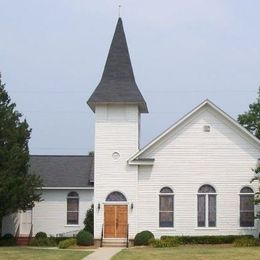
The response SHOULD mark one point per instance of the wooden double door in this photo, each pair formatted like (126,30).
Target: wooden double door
(115,221)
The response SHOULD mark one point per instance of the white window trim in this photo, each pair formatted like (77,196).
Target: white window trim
(207,210)
(72,197)
(251,193)
(72,225)
(173,211)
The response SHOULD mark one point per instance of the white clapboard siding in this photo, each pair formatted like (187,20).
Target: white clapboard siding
(10,224)
(50,215)
(116,130)
(187,158)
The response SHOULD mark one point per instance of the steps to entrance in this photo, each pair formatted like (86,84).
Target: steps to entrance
(23,240)
(114,242)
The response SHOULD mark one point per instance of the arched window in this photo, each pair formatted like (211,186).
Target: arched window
(166,206)
(207,210)
(73,208)
(116,196)
(247,214)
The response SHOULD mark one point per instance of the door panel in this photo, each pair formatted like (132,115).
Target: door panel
(26,222)
(121,225)
(109,221)
(115,221)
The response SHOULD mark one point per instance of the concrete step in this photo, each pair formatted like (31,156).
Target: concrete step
(23,240)
(114,243)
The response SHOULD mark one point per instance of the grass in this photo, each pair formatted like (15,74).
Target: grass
(198,252)
(27,253)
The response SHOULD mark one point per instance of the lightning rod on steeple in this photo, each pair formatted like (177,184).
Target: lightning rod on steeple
(119,9)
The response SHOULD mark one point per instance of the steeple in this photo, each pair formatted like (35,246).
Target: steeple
(117,85)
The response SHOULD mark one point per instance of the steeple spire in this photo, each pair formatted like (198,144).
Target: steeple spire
(118,84)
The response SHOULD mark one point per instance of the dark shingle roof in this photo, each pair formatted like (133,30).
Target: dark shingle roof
(118,84)
(63,171)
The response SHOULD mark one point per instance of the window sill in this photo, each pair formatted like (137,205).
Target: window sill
(247,228)
(206,228)
(166,228)
(76,225)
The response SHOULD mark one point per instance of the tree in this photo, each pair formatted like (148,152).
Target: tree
(89,220)
(257,194)
(251,119)
(18,188)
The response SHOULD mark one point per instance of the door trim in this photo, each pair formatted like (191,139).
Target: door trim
(115,204)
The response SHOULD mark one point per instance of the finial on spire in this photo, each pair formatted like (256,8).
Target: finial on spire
(119,9)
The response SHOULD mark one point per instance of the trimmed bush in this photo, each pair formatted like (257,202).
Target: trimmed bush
(164,243)
(84,238)
(7,236)
(7,240)
(47,241)
(142,238)
(245,242)
(41,235)
(205,239)
(59,239)
(67,243)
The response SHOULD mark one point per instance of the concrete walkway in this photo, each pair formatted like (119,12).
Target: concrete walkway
(103,253)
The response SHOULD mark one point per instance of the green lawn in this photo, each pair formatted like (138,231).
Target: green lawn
(26,253)
(201,252)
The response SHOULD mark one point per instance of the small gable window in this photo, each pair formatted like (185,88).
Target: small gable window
(247,213)
(73,208)
(166,207)
(116,196)
(207,213)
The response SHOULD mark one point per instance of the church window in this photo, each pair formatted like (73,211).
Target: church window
(247,207)
(73,208)
(166,207)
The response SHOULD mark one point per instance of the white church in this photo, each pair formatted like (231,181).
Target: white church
(193,179)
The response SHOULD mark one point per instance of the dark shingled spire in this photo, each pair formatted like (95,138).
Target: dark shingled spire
(117,84)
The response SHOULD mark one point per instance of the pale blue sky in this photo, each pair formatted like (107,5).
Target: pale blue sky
(52,54)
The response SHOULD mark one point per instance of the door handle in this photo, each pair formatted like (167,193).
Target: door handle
(116,223)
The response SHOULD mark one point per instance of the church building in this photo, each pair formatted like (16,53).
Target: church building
(193,179)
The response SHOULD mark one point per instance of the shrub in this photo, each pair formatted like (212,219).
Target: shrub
(7,236)
(164,243)
(47,241)
(8,240)
(41,235)
(59,239)
(67,243)
(89,220)
(245,242)
(143,238)
(84,238)
(205,239)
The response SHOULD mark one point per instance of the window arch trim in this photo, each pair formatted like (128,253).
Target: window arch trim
(73,194)
(166,190)
(72,208)
(116,196)
(207,188)
(246,190)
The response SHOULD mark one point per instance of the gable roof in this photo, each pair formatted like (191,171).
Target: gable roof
(63,170)
(118,84)
(134,159)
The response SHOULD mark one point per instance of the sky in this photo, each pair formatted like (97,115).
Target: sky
(52,55)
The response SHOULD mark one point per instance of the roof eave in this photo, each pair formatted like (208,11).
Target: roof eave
(256,141)
(141,105)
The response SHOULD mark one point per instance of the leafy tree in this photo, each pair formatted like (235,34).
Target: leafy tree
(257,194)
(89,220)
(17,186)
(251,119)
